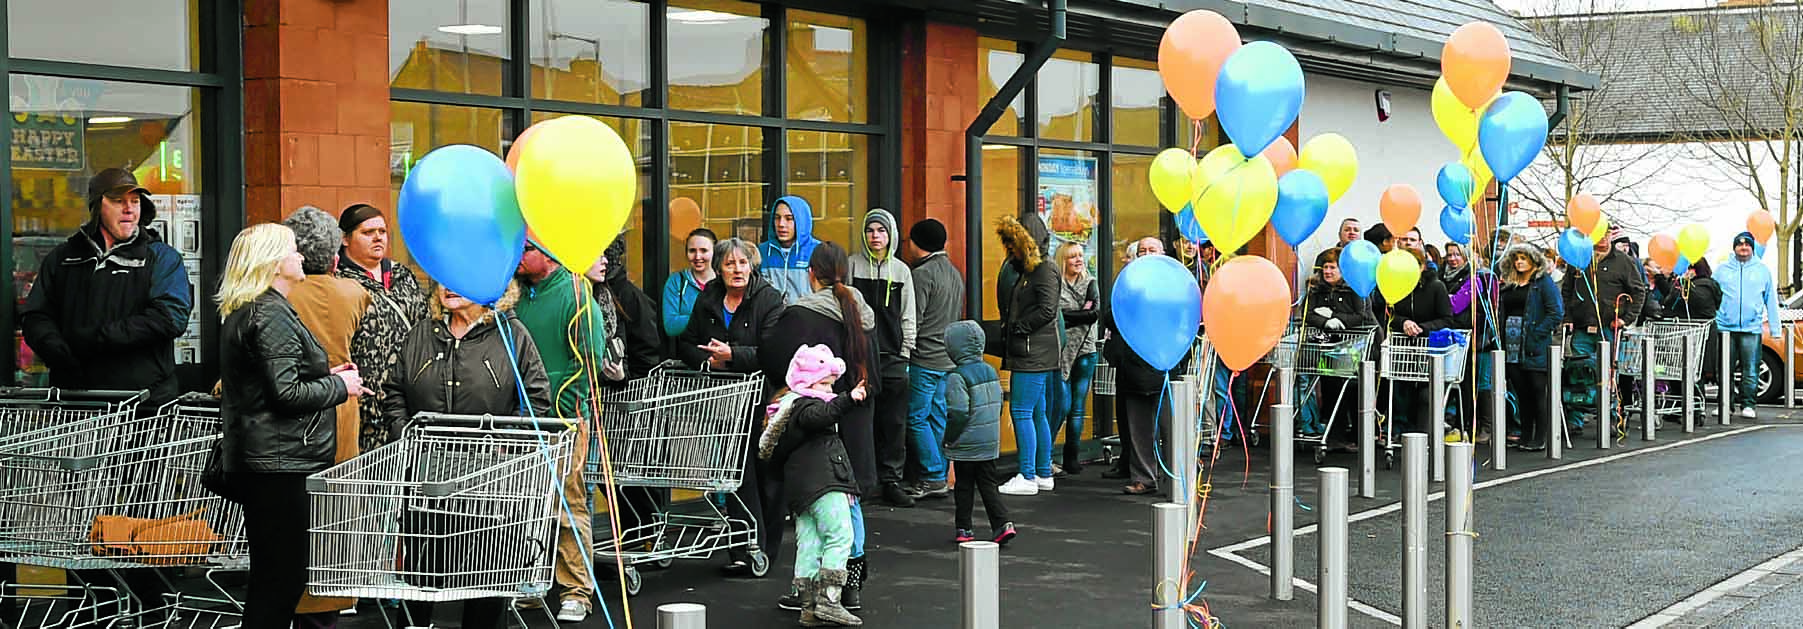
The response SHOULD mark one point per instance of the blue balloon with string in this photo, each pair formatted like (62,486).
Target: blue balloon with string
(1682,266)
(1455,182)
(1301,206)
(1511,134)
(1574,248)
(1189,226)
(1258,95)
(1358,266)
(1456,223)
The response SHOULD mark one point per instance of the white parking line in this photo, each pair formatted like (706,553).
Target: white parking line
(1727,586)
(1231,551)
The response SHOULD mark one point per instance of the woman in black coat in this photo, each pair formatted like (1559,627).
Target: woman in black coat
(1426,309)
(1332,306)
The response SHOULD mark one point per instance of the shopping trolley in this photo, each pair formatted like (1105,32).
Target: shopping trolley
(675,429)
(1311,353)
(1670,338)
(24,410)
(460,507)
(1411,359)
(1103,383)
(1201,364)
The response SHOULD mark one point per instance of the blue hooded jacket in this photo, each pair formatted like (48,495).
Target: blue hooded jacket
(1749,297)
(786,268)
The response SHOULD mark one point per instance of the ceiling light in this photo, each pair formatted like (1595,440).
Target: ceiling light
(109,120)
(703,17)
(470,29)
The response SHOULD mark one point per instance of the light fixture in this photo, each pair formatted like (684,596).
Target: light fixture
(691,16)
(470,29)
(109,120)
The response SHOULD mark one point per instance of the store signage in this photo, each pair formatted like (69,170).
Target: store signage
(47,142)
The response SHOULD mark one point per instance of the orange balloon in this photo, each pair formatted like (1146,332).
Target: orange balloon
(1400,207)
(1475,62)
(518,146)
(1282,155)
(1761,224)
(685,217)
(1663,249)
(1190,56)
(1583,211)
(1245,309)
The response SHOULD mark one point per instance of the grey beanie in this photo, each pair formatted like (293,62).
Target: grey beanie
(317,236)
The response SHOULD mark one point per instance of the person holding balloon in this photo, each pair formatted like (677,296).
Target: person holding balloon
(396,303)
(1034,344)
(1424,310)
(1697,296)
(1749,306)
(1332,305)
(1530,309)
(685,286)
(1138,384)
(1603,300)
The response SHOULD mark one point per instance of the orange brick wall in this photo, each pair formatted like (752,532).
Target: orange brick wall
(939,70)
(316,105)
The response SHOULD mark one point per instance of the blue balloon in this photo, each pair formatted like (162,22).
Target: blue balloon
(1158,309)
(1511,134)
(462,222)
(1758,250)
(1456,224)
(1258,95)
(1682,266)
(1574,248)
(1189,226)
(1455,183)
(1301,206)
(1358,265)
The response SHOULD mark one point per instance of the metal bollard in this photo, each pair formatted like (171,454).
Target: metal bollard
(1499,408)
(1724,376)
(1649,392)
(1436,414)
(1331,613)
(1605,386)
(1459,535)
(1555,383)
(1690,387)
(1414,531)
(980,578)
(1368,430)
(1169,541)
(682,616)
(1283,503)
(1183,443)
(1790,365)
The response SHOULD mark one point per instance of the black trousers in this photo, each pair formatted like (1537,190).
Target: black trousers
(891,417)
(1144,416)
(978,477)
(275,525)
(481,613)
(1532,416)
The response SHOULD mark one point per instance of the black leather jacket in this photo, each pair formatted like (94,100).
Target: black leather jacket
(279,394)
(440,373)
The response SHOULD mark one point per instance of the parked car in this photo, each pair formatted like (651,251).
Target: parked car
(1771,355)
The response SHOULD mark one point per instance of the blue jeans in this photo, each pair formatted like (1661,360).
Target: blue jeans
(857,526)
(1308,413)
(926,420)
(1031,396)
(1745,348)
(1073,398)
(1228,405)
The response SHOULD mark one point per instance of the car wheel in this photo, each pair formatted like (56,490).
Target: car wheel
(1770,391)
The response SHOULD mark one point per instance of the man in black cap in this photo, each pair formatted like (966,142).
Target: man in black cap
(108,303)
(939,301)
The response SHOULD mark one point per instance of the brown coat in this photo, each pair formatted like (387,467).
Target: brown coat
(331,307)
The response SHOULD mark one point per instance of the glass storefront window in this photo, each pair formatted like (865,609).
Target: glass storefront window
(716,56)
(637,134)
(1135,211)
(1068,87)
(591,51)
(825,67)
(996,61)
(156,34)
(720,169)
(448,46)
(831,171)
(65,130)
(1001,197)
(1136,92)
(417,128)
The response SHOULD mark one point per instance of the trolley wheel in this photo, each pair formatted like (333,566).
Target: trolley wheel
(760,564)
(1252,438)
(664,563)
(1320,455)
(1389,460)
(633,581)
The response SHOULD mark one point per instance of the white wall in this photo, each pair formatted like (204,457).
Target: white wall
(1407,148)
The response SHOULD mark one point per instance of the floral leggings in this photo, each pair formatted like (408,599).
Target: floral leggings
(823,535)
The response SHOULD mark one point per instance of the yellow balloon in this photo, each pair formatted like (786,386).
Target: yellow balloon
(577,184)
(1173,176)
(1397,275)
(1456,121)
(1693,241)
(1332,157)
(1480,176)
(1601,231)
(1234,196)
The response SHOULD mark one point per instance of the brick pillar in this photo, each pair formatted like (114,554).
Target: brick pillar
(316,105)
(942,60)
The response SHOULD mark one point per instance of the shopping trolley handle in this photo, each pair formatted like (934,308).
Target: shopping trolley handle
(54,394)
(486,421)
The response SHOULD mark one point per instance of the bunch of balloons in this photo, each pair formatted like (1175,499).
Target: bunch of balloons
(569,183)
(1497,133)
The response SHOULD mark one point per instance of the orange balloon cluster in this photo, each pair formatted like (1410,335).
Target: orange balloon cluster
(1190,56)
(1245,309)
(1400,207)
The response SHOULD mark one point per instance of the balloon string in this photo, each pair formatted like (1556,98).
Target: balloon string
(583,326)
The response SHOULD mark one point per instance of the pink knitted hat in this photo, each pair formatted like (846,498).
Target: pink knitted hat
(811,364)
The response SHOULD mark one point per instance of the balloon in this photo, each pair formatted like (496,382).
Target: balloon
(1245,310)
(1455,182)
(685,217)
(1173,175)
(1574,248)
(461,221)
(1511,134)
(1602,230)
(1682,266)
(1235,197)
(518,146)
(1187,225)
(1258,95)
(1358,265)
(577,185)
(1663,249)
(1760,224)
(1475,62)
(1190,56)
(1397,274)
(1157,307)
(1332,157)
(1400,207)
(1693,241)
(1480,176)
(1301,206)
(1583,211)
(1456,222)
(1457,121)
(1758,250)
(1282,155)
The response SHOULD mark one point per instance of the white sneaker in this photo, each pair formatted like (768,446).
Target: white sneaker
(572,611)
(1019,486)
(1045,484)
(1747,413)
(348,611)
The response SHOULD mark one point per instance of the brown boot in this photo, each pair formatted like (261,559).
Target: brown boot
(804,590)
(828,586)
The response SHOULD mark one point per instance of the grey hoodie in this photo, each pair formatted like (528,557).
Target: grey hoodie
(884,281)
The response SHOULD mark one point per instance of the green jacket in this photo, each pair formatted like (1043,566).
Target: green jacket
(556,313)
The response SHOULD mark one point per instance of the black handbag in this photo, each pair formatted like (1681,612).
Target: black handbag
(216,479)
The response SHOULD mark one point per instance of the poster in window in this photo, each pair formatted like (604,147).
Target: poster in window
(185,217)
(1067,202)
(47,141)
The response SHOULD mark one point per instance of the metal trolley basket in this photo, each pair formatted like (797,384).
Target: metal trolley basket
(460,507)
(1670,338)
(24,410)
(1411,359)
(1312,353)
(676,429)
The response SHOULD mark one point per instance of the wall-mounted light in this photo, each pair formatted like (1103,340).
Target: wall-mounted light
(470,29)
(688,16)
(109,120)
(1383,105)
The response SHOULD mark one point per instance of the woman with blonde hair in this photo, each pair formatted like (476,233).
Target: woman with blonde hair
(279,395)
(1080,301)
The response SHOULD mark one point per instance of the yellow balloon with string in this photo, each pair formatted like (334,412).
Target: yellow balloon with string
(577,184)
(1234,196)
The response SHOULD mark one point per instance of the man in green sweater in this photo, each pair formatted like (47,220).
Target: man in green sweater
(567,328)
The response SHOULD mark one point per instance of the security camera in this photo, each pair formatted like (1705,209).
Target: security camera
(1383,105)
